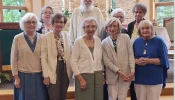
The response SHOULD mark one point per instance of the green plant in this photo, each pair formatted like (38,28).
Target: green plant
(4,78)
(110,10)
(66,13)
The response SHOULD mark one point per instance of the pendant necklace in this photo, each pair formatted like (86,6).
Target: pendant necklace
(144,51)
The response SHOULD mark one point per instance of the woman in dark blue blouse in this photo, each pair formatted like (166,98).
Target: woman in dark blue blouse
(151,60)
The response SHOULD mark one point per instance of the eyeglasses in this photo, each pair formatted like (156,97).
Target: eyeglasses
(31,22)
(88,27)
(45,13)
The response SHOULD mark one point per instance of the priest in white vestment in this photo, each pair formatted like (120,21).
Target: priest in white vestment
(86,9)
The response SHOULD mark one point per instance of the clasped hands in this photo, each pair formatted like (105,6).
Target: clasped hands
(142,61)
(125,77)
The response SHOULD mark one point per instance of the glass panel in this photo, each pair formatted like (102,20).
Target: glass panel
(164,12)
(13,2)
(166,0)
(113,4)
(10,15)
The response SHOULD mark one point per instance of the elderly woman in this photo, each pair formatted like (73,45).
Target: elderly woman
(118,58)
(46,14)
(55,59)
(117,13)
(151,60)
(139,11)
(86,63)
(25,61)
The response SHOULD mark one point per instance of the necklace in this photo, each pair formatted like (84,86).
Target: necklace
(146,45)
(115,44)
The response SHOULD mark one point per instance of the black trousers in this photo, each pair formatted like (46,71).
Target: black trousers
(105,93)
(132,91)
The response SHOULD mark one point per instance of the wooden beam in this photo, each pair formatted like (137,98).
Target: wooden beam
(164,4)
(1,12)
(29,5)
(151,10)
(42,3)
(13,7)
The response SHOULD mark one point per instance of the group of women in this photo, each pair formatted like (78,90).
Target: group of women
(43,64)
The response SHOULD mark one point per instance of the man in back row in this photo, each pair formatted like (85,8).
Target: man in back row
(86,9)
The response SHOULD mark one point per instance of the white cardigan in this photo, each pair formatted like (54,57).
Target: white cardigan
(49,55)
(82,60)
(123,59)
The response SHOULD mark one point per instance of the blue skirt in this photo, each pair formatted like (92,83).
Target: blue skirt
(32,87)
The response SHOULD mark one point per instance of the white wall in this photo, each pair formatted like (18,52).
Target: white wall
(147,4)
(37,7)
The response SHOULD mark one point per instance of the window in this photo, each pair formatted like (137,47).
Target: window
(12,10)
(164,9)
(113,4)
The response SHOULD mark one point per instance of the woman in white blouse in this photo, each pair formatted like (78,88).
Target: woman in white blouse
(86,63)
(119,60)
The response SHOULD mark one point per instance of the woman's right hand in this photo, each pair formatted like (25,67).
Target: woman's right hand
(17,82)
(46,81)
(83,84)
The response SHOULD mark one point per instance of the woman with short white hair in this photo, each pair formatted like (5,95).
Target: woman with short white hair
(25,61)
(86,63)
(118,59)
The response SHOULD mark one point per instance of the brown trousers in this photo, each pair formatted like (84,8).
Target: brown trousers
(58,91)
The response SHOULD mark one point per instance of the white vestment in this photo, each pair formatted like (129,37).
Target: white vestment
(76,22)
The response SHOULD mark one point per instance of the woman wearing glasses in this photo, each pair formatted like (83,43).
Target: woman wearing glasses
(119,60)
(86,63)
(25,61)
(46,14)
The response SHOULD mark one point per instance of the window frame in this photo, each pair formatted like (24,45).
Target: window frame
(28,7)
(156,4)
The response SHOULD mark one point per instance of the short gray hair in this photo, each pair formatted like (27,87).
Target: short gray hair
(27,17)
(111,20)
(43,10)
(117,10)
(139,5)
(143,22)
(88,19)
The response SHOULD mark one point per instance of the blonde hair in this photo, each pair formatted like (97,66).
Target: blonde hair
(111,20)
(143,22)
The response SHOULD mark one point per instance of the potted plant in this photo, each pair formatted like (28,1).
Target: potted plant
(4,78)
